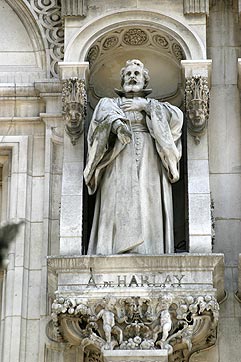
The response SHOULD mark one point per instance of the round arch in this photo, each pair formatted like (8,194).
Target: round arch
(79,45)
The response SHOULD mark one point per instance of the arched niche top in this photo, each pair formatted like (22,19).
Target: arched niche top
(79,45)
(160,53)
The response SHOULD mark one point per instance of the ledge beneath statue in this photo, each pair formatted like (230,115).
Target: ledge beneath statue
(128,274)
(128,306)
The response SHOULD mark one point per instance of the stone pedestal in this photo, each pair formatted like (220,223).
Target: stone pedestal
(134,305)
(136,356)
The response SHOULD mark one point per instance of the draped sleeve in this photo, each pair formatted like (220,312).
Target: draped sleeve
(165,124)
(100,150)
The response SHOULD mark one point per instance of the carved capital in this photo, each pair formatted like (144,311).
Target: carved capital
(74,107)
(191,7)
(73,8)
(197,105)
(178,324)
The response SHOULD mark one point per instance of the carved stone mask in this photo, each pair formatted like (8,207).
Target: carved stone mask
(196,112)
(73,115)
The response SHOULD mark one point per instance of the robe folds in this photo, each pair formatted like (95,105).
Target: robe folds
(133,210)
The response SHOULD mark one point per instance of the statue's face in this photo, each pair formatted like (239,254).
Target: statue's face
(133,79)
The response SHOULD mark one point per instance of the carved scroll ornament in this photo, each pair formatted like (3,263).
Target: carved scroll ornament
(197,106)
(179,324)
(48,14)
(74,107)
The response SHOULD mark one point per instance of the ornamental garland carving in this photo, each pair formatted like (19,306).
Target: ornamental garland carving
(48,13)
(133,37)
(74,107)
(179,324)
(197,106)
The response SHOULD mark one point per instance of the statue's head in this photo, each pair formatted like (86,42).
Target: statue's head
(134,76)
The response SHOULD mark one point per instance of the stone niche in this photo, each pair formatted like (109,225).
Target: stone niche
(136,308)
(159,51)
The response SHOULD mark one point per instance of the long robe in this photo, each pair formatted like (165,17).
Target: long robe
(133,210)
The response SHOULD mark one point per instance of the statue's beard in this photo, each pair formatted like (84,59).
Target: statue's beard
(133,86)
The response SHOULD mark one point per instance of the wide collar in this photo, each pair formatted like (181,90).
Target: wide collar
(143,93)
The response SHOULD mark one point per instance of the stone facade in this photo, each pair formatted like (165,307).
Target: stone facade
(57,59)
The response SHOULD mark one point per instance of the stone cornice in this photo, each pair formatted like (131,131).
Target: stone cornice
(213,264)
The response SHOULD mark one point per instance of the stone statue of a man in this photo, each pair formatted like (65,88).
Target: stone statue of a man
(134,147)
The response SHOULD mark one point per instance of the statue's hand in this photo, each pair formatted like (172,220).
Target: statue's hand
(124,135)
(136,104)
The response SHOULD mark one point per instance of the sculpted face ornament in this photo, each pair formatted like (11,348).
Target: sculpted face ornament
(197,113)
(74,107)
(197,106)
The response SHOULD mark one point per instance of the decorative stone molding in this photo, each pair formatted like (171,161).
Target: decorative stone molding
(197,105)
(74,107)
(171,322)
(195,7)
(135,37)
(73,8)
(48,13)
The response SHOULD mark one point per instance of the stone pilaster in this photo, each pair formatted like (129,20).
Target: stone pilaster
(199,200)
(73,162)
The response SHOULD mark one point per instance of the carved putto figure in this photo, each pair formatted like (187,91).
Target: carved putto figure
(134,147)
(108,317)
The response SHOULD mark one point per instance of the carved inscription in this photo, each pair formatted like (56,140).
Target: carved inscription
(136,280)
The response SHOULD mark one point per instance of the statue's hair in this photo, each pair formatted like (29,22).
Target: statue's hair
(142,68)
